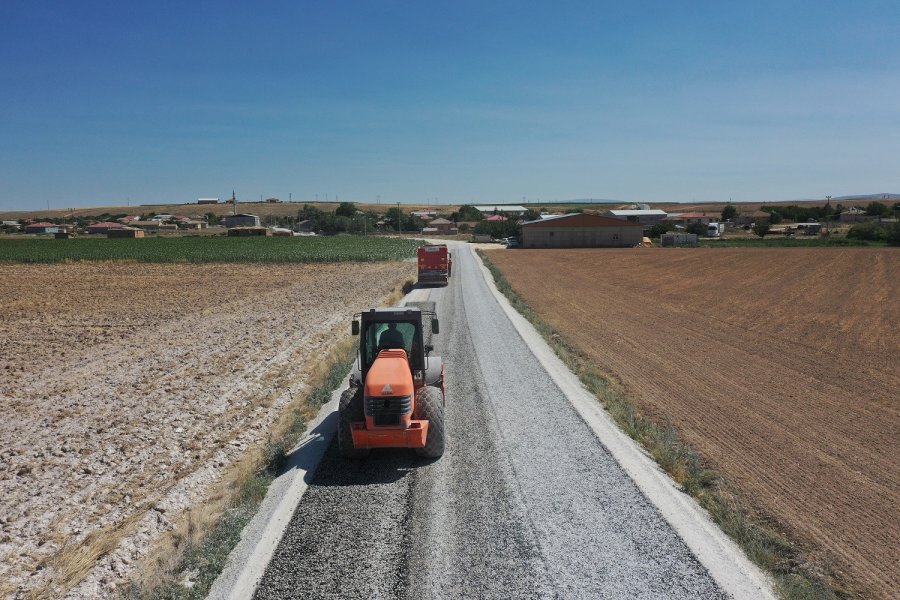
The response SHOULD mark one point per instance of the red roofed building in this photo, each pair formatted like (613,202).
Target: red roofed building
(581,231)
(495,218)
(41,228)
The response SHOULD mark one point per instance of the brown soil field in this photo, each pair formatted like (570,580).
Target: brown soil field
(126,390)
(781,367)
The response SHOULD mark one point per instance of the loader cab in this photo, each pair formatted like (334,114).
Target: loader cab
(393,328)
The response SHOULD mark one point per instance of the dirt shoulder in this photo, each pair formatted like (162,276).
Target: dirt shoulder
(779,366)
(127,389)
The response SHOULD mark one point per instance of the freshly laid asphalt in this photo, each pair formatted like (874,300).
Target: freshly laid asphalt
(525,503)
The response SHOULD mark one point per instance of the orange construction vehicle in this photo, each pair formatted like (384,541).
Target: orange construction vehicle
(396,393)
(435,264)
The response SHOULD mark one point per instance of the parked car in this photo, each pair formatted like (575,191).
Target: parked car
(512,243)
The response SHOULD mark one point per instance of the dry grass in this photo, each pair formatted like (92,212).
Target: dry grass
(75,560)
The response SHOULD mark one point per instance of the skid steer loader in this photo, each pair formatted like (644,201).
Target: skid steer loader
(396,393)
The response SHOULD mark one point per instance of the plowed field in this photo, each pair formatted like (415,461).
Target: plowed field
(127,389)
(780,366)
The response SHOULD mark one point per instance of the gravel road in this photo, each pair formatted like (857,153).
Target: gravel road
(526,503)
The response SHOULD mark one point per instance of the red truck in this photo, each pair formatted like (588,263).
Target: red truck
(435,264)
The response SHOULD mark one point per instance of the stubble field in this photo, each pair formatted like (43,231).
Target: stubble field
(127,389)
(780,366)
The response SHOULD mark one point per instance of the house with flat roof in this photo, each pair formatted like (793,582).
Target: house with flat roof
(514,210)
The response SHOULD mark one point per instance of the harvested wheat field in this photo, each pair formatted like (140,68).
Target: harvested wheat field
(127,389)
(780,366)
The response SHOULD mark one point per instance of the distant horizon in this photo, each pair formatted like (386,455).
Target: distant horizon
(466,102)
(877,196)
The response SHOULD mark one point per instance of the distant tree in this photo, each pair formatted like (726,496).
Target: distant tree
(658,229)
(761,227)
(775,217)
(896,208)
(464,227)
(467,213)
(499,229)
(696,228)
(345,209)
(870,231)
(893,233)
(394,217)
(729,212)
(531,215)
(212,218)
(877,209)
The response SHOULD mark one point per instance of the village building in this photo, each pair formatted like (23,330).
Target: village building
(240,220)
(513,210)
(103,227)
(440,226)
(42,228)
(581,231)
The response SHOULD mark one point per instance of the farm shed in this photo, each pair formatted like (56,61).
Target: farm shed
(240,220)
(103,227)
(192,224)
(41,228)
(678,239)
(248,231)
(581,231)
(644,217)
(303,226)
(154,225)
(207,200)
(125,232)
(855,214)
(515,210)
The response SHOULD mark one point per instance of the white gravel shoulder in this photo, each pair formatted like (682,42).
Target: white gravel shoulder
(261,535)
(725,561)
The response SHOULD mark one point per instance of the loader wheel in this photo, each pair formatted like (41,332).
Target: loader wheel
(350,409)
(430,406)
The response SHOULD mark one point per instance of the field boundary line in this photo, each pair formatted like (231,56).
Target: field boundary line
(725,561)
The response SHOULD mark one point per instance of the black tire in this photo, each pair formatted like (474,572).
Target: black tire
(350,409)
(430,406)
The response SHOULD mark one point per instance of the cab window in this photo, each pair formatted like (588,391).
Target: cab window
(378,337)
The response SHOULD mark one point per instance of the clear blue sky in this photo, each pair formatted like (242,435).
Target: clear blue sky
(455,101)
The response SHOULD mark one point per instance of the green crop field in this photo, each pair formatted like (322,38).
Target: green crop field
(209,249)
